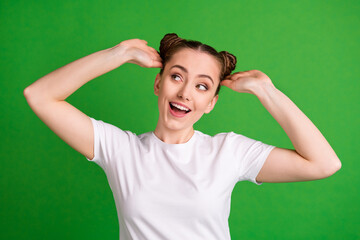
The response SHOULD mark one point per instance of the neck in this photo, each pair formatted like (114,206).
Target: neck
(172,136)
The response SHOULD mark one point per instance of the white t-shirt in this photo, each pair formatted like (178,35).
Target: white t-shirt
(175,191)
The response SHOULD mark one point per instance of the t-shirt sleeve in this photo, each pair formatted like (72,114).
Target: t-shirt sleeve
(250,156)
(109,141)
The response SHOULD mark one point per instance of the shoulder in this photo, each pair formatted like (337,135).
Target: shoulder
(229,140)
(110,131)
(145,137)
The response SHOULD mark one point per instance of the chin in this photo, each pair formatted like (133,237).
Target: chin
(173,124)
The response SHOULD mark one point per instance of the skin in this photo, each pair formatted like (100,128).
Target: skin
(197,93)
(313,158)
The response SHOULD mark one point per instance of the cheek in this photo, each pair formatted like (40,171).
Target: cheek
(203,104)
(169,89)
(167,94)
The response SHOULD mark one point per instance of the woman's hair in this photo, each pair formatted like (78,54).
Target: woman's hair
(171,43)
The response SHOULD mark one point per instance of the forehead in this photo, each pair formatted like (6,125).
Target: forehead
(196,62)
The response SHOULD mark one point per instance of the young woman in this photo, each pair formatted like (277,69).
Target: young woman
(176,182)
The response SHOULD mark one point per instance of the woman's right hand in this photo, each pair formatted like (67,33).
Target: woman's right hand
(138,52)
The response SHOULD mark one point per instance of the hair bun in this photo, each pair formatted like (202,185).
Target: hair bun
(229,62)
(168,41)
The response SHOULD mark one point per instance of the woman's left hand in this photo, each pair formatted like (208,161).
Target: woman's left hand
(246,81)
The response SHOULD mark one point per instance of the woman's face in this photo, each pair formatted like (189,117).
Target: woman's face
(186,88)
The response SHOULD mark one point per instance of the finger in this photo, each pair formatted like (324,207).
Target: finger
(240,74)
(226,83)
(155,57)
(155,52)
(152,49)
(158,55)
(156,64)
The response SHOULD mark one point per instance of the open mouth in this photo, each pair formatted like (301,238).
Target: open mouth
(178,109)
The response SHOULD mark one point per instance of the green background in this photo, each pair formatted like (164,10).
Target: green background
(309,49)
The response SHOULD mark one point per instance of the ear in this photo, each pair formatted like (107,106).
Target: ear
(157,84)
(212,104)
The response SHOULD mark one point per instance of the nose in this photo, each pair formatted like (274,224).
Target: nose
(185,92)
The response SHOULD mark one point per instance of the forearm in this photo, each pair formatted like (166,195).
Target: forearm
(61,83)
(305,137)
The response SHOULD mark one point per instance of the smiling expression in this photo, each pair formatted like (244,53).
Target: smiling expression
(186,88)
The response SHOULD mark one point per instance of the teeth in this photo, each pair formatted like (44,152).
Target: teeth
(179,107)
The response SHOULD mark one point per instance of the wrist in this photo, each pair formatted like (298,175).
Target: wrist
(263,89)
(119,53)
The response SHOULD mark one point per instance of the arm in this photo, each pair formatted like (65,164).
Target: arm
(313,157)
(47,95)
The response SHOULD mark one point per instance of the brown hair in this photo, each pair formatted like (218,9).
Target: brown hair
(171,43)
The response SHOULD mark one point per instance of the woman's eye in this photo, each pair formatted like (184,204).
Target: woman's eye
(202,87)
(174,76)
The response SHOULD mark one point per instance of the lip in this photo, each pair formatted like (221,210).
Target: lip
(176,114)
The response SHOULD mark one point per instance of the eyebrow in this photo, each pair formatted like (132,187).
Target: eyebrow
(200,75)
